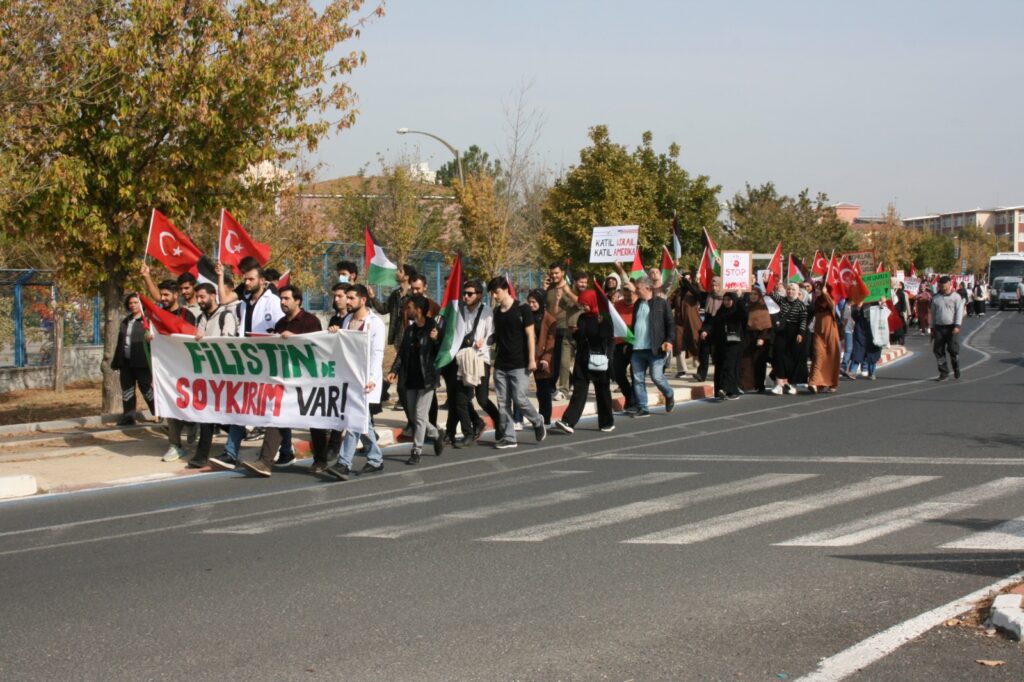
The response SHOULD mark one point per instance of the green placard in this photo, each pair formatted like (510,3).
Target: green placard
(879,286)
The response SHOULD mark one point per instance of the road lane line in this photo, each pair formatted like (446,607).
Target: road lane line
(888,522)
(878,646)
(775,511)
(853,459)
(523,504)
(1006,537)
(637,510)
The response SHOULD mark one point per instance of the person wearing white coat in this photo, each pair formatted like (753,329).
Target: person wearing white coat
(362,318)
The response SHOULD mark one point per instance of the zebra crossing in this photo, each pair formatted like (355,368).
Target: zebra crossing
(679,501)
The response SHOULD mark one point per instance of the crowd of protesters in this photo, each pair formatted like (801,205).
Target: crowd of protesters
(794,337)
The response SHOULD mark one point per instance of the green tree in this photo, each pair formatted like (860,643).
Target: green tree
(894,245)
(761,218)
(613,186)
(977,246)
(130,104)
(935,251)
(475,161)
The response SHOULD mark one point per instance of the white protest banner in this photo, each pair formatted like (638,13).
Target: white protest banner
(737,267)
(618,243)
(900,276)
(308,380)
(912,284)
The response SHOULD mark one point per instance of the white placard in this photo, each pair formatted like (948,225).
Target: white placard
(736,269)
(307,380)
(617,243)
(900,276)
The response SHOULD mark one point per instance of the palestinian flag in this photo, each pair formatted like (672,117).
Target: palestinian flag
(794,274)
(705,271)
(667,268)
(775,268)
(619,326)
(713,253)
(379,270)
(637,271)
(677,242)
(450,314)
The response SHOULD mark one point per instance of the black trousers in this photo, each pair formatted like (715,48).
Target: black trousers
(582,378)
(703,359)
(623,371)
(545,387)
(464,404)
(727,367)
(176,426)
(945,341)
(130,377)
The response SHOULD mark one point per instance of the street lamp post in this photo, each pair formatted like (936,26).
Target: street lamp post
(453,150)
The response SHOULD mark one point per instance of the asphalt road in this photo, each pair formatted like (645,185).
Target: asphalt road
(751,539)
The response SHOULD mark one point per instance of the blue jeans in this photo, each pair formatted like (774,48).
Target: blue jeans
(374,455)
(235,435)
(847,350)
(510,387)
(640,361)
(286,442)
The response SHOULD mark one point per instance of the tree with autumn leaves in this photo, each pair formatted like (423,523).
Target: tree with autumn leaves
(112,107)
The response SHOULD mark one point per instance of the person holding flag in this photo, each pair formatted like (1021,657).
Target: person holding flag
(593,354)
(236,244)
(826,356)
(131,359)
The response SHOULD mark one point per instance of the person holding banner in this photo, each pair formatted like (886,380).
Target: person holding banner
(295,321)
(361,318)
(132,361)
(416,358)
(214,320)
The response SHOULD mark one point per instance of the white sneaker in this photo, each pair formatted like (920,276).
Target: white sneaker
(173,454)
(607,429)
(563,427)
(518,426)
(777,390)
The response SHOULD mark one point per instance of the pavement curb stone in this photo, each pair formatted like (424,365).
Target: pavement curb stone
(1007,614)
(17,486)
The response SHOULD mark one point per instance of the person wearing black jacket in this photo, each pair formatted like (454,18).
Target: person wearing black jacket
(724,332)
(416,358)
(789,355)
(131,358)
(593,338)
(653,331)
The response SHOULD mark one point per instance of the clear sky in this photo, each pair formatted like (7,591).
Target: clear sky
(913,101)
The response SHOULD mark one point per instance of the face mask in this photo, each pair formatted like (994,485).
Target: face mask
(343,279)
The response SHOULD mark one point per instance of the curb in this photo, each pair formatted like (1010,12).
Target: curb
(17,486)
(98,420)
(1007,614)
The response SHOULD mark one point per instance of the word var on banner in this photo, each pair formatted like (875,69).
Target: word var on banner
(610,244)
(304,381)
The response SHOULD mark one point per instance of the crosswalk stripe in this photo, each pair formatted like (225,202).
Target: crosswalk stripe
(288,520)
(885,523)
(854,459)
(748,518)
(1007,536)
(546,499)
(636,510)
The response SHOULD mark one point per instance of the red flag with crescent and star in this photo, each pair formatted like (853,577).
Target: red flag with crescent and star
(819,265)
(236,244)
(170,246)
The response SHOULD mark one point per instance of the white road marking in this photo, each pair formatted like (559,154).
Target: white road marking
(775,511)
(523,504)
(853,459)
(876,647)
(637,510)
(1006,537)
(885,523)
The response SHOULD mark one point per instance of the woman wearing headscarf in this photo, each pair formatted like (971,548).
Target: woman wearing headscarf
(724,332)
(901,307)
(686,309)
(544,325)
(757,340)
(593,337)
(712,302)
(865,353)
(131,359)
(825,366)
(924,309)
(788,350)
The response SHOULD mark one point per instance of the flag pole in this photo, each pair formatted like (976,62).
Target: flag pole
(149,237)
(220,236)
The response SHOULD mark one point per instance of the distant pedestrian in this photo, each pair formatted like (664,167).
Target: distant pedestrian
(924,309)
(544,326)
(131,359)
(824,377)
(653,332)
(757,340)
(789,353)
(947,317)
(592,366)
(686,309)
(725,332)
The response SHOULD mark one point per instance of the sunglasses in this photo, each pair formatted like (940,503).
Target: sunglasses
(469,293)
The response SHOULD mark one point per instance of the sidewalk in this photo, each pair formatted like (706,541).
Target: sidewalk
(71,455)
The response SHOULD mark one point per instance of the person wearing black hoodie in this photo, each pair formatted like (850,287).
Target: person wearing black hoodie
(724,333)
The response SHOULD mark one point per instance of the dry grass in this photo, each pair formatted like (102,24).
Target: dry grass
(82,399)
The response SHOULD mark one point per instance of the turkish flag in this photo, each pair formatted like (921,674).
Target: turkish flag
(819,266)
(834,280)
(236,244)
(170,246)
(165,322)
(855,288)
(775,268)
